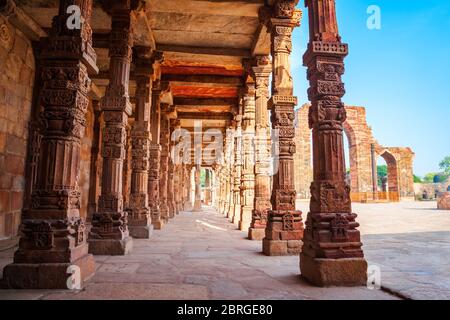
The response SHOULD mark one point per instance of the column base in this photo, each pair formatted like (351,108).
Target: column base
(244,225)
(281,247)
(140,232)
(45,275)
(110,247)
(158,225)
(350,272)
(197,206)
(256,234)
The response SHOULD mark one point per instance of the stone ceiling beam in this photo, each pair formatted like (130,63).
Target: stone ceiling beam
(205,51)
(21,20)
(194,102)
(205,116)
(203,80)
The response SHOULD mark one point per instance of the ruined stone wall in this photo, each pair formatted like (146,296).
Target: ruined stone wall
(303,173)
(404,164)
(360,137)
(17,68)
(430,188)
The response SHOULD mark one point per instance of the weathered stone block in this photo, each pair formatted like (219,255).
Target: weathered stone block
(45,275)
(282,247)
(444,201)
(334,272)
(256,234)
(110,247)
(140,232)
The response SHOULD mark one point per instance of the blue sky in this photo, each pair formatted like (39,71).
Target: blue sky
(400,73)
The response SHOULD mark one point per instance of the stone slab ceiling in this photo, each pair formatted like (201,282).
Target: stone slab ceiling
(204,42)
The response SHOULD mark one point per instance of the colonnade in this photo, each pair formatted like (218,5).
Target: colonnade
(255,194)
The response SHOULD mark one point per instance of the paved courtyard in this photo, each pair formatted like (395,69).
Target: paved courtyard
(202,256)
(410,242)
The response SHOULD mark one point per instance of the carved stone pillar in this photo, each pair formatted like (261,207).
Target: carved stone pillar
(284,229)
(188,189)
(221,201)
(53,236)
(207,187)
(248,158)
(332,253)
(230,172)
(171,174)
(139,211)
(155,156)
(237,172)
(94,173)
(261,204)
(185,187)
(178,188)
(198,190)
(126,177)
(109,234)
(164,162)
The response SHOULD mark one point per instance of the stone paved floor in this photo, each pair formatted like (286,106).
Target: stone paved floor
(410,242)
(197,256)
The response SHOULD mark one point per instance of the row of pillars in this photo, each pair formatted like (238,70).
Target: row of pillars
(329,245)
(54,236)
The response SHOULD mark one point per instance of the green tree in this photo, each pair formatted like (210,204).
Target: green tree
(429,177)
(382,172)
(445,166)
(417,179)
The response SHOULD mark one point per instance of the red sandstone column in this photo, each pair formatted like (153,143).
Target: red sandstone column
(248,158)
(284,229)
(109,234)
(164,163)
(178,188)
(94,167)
(126,177)
(155,155)
(174,123)
(53,234)
(261,204)
(207,187)
(188,188)
(230,172)
(140,218)
(237,172)
(198,189)
(332,252)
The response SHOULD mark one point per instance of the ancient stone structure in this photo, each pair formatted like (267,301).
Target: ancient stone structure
(53,233)
(94,134)
(237,164)
(139,211)
(261,202)
(284,229)
(248,158)
(109,234)
(332,253)
(361,139)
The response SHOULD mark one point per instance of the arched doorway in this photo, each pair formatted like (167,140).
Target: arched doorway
(351,159)
(390,186)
